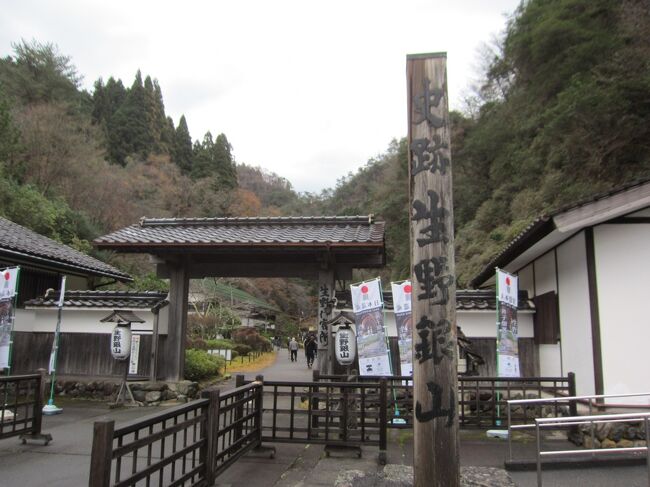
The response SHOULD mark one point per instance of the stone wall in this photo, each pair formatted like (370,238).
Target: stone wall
(610,435)
(145,393)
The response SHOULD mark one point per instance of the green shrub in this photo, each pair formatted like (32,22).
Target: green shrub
(251,337)
(196,343)
(241,349)
(200,365)
(219,344)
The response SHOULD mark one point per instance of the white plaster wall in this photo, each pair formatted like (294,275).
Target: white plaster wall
(75,320)
(550,361)
(575,317)
(623,267)
(482,324)
(525,276)
(389,324)
(545,274)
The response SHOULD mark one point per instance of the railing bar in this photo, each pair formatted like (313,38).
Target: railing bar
(274,415)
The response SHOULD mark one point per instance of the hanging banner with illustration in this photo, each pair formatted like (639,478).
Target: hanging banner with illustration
(8,282)
(368,307)
(6,320)
(507,333)
(403,321)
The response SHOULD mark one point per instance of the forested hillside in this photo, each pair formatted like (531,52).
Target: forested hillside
(563,112)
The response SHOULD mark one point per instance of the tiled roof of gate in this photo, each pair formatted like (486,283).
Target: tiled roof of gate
(170,232)
(100,299)
(21,243)
(466,300)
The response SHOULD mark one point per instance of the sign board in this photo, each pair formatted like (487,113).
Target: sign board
(135,354)
(507,329)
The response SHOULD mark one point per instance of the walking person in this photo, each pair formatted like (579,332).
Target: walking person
(293,349)
(310,350)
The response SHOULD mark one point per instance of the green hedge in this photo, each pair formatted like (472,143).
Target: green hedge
(200,365)
(241,349)
(219,344)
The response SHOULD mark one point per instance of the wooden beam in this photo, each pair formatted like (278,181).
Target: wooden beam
(594,311)
(436,445)
(254,269)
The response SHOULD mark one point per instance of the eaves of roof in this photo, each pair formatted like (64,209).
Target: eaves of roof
(25,247)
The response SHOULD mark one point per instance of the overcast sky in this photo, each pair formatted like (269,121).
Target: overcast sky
(308,89)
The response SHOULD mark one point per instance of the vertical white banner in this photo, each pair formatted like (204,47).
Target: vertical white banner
(507,329)
(8,282)
(135,354)
(403,321)
(6,319)
(368,307)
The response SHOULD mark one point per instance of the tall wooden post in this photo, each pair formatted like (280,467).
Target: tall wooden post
(325,308)
(436,455)
(179,283)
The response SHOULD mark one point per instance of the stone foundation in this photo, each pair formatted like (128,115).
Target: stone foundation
(610,435)
(145,393)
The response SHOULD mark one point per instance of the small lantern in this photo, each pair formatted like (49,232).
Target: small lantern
(345,345)
(121,336)
(121,341)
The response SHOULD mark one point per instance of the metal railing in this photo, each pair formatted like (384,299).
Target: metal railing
(571,402)
(21,406)
(592,420)
(188,445)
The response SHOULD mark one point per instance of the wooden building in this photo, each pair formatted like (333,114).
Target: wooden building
(43,262)
(585,267)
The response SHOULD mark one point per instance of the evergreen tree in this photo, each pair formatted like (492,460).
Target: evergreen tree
(38,73)
(182,152)
(129,128)
(224,165)
(202,163)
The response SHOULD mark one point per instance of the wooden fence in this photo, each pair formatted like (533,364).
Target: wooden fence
(335,414)
(482,401)
(21,412)
(80,354)
(188,445)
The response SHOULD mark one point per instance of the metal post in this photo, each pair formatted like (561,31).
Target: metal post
(383,421)
(539,456)
(647,446)
(509,434)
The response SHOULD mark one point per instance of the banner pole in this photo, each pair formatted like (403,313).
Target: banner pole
(50,408)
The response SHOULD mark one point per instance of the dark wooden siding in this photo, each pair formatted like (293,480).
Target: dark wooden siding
(528,356)
(80,354)
(547,319)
